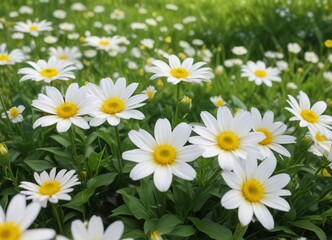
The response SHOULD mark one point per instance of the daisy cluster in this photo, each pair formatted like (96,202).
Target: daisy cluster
(142,122)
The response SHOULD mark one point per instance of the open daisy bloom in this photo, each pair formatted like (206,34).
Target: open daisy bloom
(176,71)
(163,155)
(95,230)
(253,189)
(14,114)
(322,145)
(115,101)
(226,137)
(259,73)
(50,187)
(64,112)
(49,71)
(19,216)
(11,58)
(34,28)
(273,134)
(310,116)
(71,54)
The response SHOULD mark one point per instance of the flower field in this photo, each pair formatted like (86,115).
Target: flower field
(165,119)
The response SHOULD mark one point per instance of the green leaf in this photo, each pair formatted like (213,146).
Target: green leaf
(80,199)
(106,137)
(308,225)
(212,229)
(134,205)
(121,210)
(167,223)
(183,231)
(150,226)
(102,180)
(39,165)
(284,229)
(61,140)
(57,151)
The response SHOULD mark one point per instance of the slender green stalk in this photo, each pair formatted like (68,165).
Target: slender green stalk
(239,232)
(175,119)
(74,151)
(310,182)
(57,216)
(119,151)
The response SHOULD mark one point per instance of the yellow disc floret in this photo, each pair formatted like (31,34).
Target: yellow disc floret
(164,154)
(268,136)
(253,190)
(10,231)
(228,141)
(179,72)
(67,110)
(4,58)
(50,187)
(309,115)
(33,28)
(113,105)
(13,112)
(49,72)
(260,73)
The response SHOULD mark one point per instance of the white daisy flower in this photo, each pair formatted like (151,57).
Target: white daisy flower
(11,58)
(177,71)
(71,54)
(259,73)
(150,91)
(105,43)
(34,28)
(19,216)
(115,101)
(294,48)
(310,116)
(273,132)
(322,145)
(117,14)
(64,112)
(48,71)
(50,187)
(95,230)
(14,114)
(163,155)
(311,57)
(218,101)
(239,50)
(253,189)
(226,137)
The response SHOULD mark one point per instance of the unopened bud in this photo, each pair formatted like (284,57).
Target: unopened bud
(3,149)
(155,236)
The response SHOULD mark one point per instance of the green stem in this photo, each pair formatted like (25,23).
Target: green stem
(56,213)
(310,182)
(119,151)
(239,232)
(74,151)
(12,176)
(5,110)
(175,119)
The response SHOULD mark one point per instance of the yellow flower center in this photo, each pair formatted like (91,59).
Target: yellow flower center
(63,57)
(228,141)
(253,190)
(9,231)
(4,57)
(150,94)
(113,105)
(33,28)
(309,115)
(328,43)
(13,112)
(67,110)
(260,73)
(164,154)
(49,187)
(49,72)
(268,136)
(104,42)
(320,138)
(219,102)
(179,72)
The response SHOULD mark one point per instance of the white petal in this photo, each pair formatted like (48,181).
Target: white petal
(180,134)
(232,199)
(276,202)
(162,178)
(78,230)
(263,215)
(142,170)
(162,131)
(114,231)
(245,213)
(137,155)
(38,234)
(95,227)
(183,170)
